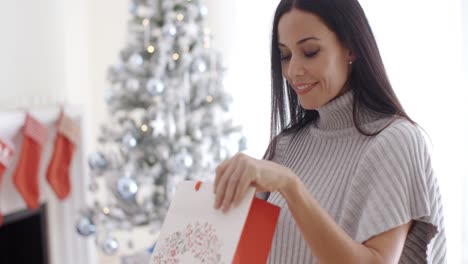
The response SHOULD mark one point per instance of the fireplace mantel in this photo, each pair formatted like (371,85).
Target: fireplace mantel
(65,246)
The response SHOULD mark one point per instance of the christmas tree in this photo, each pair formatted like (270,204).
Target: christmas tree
(168,119)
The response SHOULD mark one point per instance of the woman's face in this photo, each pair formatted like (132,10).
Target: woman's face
(313,61)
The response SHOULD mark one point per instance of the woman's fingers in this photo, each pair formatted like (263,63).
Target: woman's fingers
(232,186)
(241,190)
(219,172)
(222,183)
(233,178)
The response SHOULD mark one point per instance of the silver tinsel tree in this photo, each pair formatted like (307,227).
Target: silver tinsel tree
(168,119)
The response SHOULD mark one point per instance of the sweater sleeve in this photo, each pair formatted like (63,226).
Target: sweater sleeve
(394,183)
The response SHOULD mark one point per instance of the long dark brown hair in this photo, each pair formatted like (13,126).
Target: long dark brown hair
(368,80)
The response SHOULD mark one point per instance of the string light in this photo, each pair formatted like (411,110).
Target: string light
(144,128)
(106,210)
(180,17)
(150,49)
(145,22)
(175,56)
(209,98)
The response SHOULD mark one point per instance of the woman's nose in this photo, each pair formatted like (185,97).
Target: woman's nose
(296,67)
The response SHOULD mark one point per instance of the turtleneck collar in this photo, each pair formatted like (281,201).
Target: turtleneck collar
(336,114)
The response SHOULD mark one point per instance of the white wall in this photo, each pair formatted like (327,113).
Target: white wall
(107,30)
(465,74)
(241,31)
(32,47)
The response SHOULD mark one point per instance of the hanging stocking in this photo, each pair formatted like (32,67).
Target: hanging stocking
(6,154)
(58,172)
(26,176)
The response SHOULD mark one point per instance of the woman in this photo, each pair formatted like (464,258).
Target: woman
(349,168)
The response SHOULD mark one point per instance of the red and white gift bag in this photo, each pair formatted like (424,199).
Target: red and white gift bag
(195,233)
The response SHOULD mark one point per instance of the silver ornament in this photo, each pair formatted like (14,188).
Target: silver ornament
(98,162)
(155,87)
(203,10)
(110,246)
(85,225)
(127,188)
(199,66)
(169,30)
(136,60)
(129,140)
(184,159)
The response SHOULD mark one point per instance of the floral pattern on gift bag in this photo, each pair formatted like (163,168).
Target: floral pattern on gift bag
(199,240)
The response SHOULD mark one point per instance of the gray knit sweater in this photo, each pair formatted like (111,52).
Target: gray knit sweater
(368,185)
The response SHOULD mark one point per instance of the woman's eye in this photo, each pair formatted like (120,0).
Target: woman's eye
(311,54)
(284,57)
(307,54)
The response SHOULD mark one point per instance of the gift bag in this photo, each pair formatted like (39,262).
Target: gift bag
(194,232)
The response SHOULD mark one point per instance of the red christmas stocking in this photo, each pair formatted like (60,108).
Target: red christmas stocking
(58,172)
(26,176)
(6,154)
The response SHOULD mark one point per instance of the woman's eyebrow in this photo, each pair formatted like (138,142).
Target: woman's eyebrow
(301,40)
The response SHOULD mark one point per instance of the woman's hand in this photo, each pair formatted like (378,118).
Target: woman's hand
(234,176)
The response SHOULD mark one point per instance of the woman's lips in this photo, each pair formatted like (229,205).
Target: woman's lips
(303,88)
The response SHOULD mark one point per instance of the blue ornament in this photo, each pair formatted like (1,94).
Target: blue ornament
(127,188)
(98,162)
(85,226)
(110,246)
(129,140)
(155,87)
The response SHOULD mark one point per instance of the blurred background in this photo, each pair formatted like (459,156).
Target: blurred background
(56,53)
